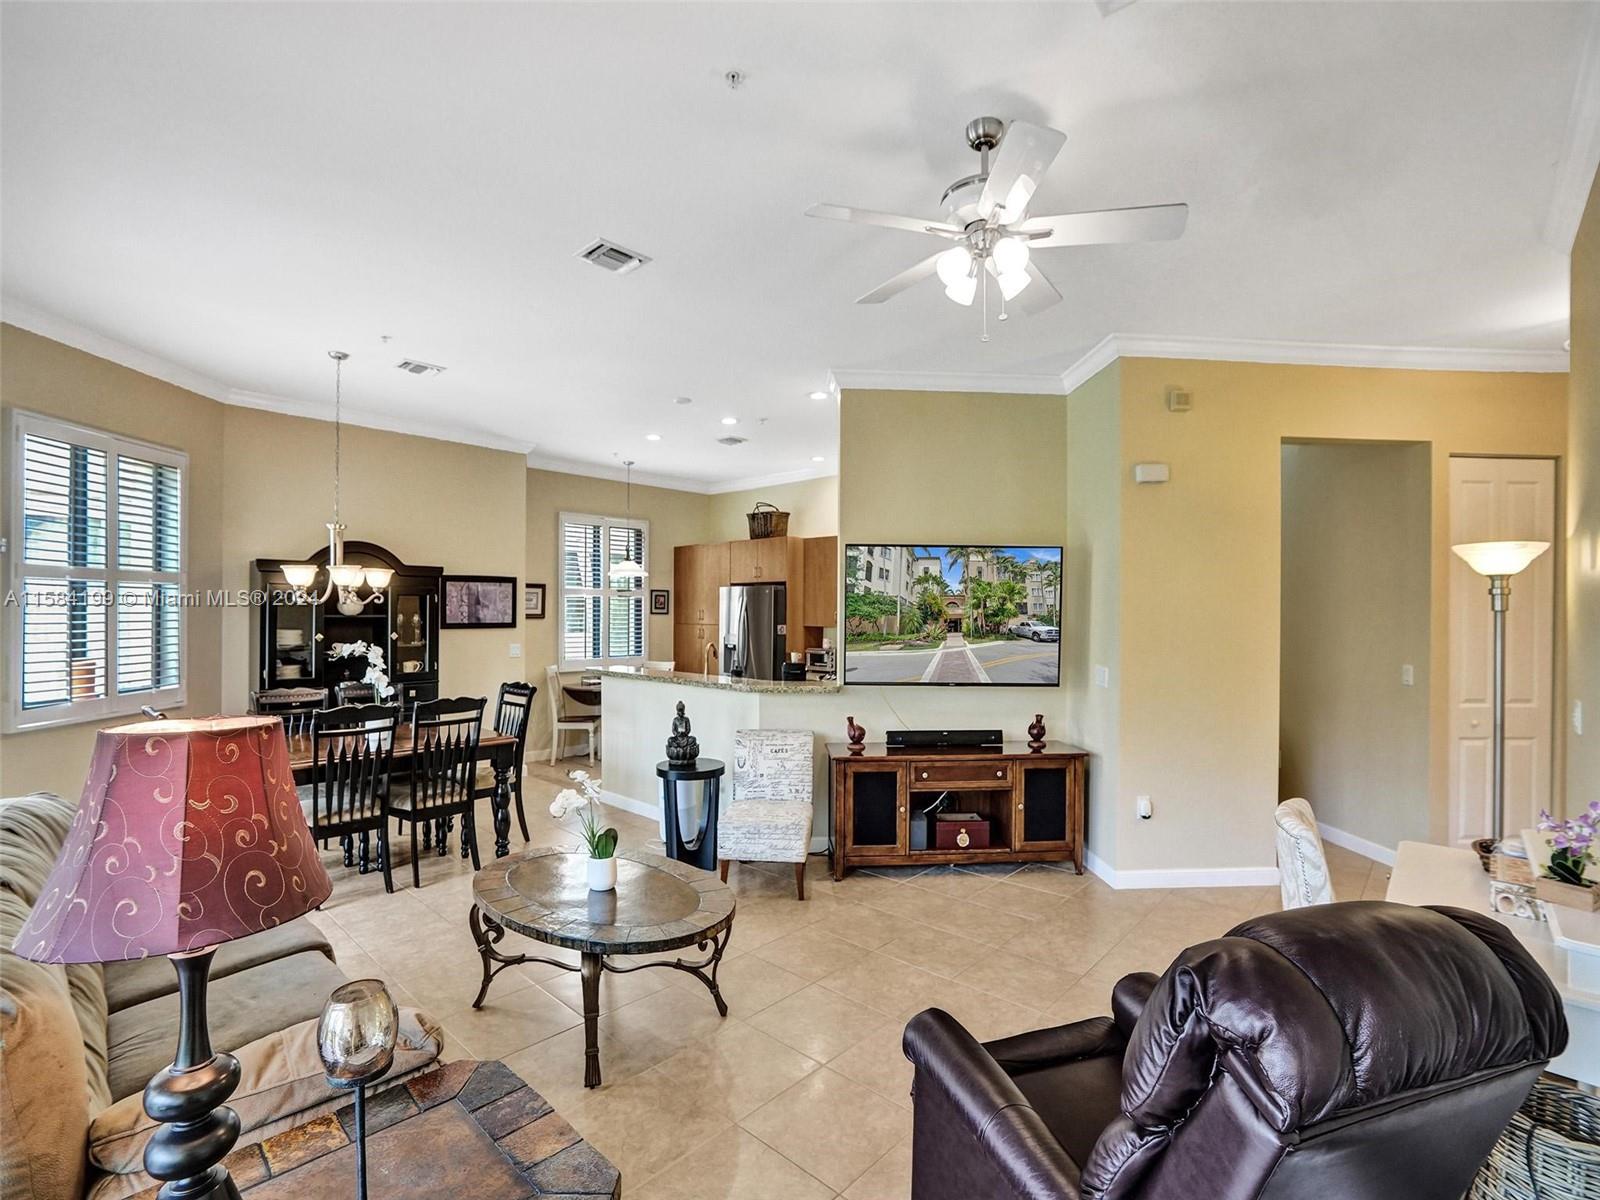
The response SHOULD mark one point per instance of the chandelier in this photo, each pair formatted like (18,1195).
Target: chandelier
(347,578)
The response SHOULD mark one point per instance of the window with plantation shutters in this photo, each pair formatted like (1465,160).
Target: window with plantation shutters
(94,616)
(603,619)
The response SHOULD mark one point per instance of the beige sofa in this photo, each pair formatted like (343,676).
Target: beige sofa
(78,1043)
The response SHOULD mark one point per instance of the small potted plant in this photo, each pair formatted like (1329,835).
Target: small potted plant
(1572,849)
(602,843)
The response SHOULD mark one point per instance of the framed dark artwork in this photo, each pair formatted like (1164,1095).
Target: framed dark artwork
(533,601)
(660,602)
(478,602)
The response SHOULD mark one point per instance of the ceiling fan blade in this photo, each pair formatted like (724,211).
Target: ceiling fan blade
(1151,223)
(893,287)
(1037,296)
(866,216)
(1025,154)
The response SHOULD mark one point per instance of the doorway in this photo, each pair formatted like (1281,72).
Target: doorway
(1495,499)
(1355,629)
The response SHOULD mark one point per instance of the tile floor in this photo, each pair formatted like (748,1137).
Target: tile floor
(801,1092)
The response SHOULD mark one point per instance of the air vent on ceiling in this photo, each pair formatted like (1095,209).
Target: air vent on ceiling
(731,440)
(412,367)
(612,257)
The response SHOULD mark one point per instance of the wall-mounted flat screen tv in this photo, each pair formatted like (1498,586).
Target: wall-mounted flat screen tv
(953,615)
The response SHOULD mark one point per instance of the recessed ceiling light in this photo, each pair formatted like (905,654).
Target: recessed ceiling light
(684,400)
(819,395)
(730,420)
(652,437)
(816,458)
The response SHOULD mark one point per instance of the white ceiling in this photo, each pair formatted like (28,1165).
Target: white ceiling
(238,188)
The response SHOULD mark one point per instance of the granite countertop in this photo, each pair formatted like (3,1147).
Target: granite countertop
(726,683)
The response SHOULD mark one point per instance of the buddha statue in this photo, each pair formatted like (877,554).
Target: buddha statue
(682,747)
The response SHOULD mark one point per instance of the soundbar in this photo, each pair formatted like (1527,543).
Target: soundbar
(902,739)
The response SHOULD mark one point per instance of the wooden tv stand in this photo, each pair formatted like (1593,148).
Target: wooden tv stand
(1032,799)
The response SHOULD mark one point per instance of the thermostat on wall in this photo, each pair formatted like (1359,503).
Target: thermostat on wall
(1151,472)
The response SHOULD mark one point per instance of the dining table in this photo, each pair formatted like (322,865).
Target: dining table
(498,750)
(586,691)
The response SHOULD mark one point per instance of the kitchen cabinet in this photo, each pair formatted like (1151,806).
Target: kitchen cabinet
(822,581)
(689,645)
(698,572)
(759,560)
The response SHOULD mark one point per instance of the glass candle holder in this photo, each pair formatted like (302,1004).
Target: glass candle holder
(356,1038)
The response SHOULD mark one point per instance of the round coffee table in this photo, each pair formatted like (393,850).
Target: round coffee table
(658,905)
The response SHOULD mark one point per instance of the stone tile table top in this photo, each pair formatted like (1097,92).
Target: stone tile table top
(467,1130)
(658,903)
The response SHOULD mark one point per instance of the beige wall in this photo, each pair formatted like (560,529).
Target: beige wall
(1092,584)
(1201,574)
(676,518)
(812,505)
(1583,512)
(959,469)
(1355,612)
(433,503)
(45,377)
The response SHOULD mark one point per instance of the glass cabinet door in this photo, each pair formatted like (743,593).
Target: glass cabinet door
(413,623)
(877,810)
(291,652)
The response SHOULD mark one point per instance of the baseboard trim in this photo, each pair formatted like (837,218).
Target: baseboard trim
(1181,877)
(1360,845)
(628,804)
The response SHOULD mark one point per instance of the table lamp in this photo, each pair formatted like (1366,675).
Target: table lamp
(188,834)
(1498,562)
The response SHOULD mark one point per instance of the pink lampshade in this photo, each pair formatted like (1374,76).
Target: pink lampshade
(188,834)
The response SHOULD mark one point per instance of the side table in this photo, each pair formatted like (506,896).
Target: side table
(701,849)
(463,1129)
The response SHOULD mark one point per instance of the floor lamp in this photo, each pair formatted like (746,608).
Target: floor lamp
(1498,562)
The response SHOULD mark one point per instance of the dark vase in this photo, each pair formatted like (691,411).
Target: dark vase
(1036,732)
(856,734)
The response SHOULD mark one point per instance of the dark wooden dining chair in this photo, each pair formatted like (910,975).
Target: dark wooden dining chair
(353,691)
(444,764)
(352,750)
(294,705)
(512,712)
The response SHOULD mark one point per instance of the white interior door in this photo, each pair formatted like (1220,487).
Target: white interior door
(1501,499)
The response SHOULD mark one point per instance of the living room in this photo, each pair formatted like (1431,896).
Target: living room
(803,749)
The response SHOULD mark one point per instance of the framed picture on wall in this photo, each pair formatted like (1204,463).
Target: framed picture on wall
(660,602)
(479,602)
(533,601)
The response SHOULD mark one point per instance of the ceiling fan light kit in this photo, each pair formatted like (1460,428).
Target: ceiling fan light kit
(986,217)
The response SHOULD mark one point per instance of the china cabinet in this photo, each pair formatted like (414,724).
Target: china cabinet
(293,642)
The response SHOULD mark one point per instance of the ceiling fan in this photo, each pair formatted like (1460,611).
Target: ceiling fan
(986,219)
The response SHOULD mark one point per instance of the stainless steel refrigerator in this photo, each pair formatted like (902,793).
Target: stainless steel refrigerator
(752,630)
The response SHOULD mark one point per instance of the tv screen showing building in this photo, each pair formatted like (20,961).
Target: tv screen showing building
(952,615)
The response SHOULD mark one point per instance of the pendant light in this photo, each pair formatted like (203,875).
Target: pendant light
(346,577)
(627,568)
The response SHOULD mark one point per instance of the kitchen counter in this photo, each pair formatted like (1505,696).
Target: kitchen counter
(726,683)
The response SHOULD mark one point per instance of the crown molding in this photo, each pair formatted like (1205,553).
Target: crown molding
(1101,356)
(370,419)
(69,333)
(1580,154)
(1317,354)
(945,381)
(80,337)
(756,482)
(616,472)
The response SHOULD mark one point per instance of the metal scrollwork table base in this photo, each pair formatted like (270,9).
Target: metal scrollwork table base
(658,905)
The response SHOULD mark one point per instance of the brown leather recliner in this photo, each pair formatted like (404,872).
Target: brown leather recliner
(1363,1051)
